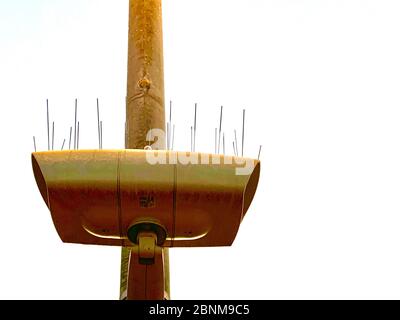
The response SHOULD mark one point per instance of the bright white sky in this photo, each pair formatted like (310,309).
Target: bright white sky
(320,81)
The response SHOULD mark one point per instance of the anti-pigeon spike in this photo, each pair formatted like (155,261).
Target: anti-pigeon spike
(236,145)
(101,135)
(98,122)
(173,138)
(77,139)
(220,128)
(34,143)
(52,139)
(70,138)
(195,127)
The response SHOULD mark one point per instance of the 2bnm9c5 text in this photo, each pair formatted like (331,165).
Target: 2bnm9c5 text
(221,309)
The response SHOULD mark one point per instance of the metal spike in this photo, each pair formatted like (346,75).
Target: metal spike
(34,142)
(62,148)
(168,135)
(70,138)
(173,138)
(77,138)
(259,153)
(52,139)
(195,127)
(223,143)
(98,122)
(101,135)
(220,128)
(236,145)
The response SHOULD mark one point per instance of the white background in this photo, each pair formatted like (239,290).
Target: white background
(320,81)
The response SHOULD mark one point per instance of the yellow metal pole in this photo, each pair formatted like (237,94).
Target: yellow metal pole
(145,109)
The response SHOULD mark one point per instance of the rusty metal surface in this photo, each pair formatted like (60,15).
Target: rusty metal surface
(145,88)
(95,196)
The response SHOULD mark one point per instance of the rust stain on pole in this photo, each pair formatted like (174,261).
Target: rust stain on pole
(145,108)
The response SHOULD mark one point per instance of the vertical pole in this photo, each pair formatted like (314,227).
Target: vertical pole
(145,99)
(145,108)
